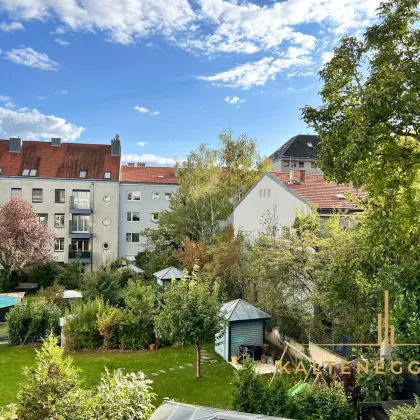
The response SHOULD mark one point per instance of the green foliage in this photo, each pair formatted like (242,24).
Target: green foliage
(81,326)
(107,325)
(190,313)
(102,283)
(52,392)
(28,322)
(156,260)
(54,294)
(249,393)
(406,412)
(279,402)
(322,402)
(45,275)
(378,387)
(71,275)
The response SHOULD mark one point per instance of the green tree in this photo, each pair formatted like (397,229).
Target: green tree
(190,314)
(102,283)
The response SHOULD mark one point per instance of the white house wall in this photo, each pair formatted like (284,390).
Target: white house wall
(248,215)
(278,166)
(104,218)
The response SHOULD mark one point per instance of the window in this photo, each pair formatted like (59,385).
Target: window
(286,164)
(313,165)
(260,193)
(82,174)
(301,164)
(60,196)
(36,195)
(310,144)
(155,217)
(133,216)
(43,218)
(1,170)
(155,196)
(16,192)
(107,175)
(80,223)
(81,199)
(133,196)
(33,172)
(168,196)
(59,220)
(340,196)
(268,193)
(59,245)
(294,164)
(133,237)
(105,246)
(25,172)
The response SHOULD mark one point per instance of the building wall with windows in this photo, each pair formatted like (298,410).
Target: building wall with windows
(140,205)
(285,164)
(83,214)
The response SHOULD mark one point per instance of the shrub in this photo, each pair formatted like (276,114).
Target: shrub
(249,392)
(133,333)
(53,294)
(374,387)
(71,275)
(279,403)
(404,412)
(349,382)
(101,283)
(29,322)
(323,402)
(107,324)
(81,327)
(45,275)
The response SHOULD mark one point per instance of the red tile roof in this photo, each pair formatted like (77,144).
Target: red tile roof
(318,192)
(149,174)
(65,161)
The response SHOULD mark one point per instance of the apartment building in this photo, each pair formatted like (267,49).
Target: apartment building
(144,193)
(74,189)
(299,153)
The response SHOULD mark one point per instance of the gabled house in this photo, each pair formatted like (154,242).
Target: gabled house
(300,152)
(275,199)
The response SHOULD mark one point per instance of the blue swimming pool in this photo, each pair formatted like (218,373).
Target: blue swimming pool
(6,301)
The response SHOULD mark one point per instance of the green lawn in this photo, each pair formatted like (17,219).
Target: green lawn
(213,389)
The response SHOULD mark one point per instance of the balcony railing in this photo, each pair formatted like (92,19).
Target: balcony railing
(83,255)
(80,206)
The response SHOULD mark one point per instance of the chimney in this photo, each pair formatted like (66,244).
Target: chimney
(302,176)
(130,164)
(15,144)
(56,141)
(141,164)
(291,176)
(116,146)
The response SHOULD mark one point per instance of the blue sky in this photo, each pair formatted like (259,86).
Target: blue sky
(166,75)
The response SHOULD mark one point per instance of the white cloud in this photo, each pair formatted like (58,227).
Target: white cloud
(144,110)
(147,158)
(62,42)
(234,100)
(34,125)
(10,27)
(326,56)
(31,58)
(62,92)
(7,101)
(257,73)
(142,143)
(41,98)
(59,31)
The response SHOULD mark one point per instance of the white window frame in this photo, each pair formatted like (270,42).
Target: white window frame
(60,243)
(155,195)
(14,191)
(130,235)
(43,216)
(168,196)
(131,194)
(286,163)
(62,194)
(107,175)
(153,218)
(25,172)
(130,216)
(39,198)
(62,217)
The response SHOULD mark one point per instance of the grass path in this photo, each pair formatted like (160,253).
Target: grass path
(213,389)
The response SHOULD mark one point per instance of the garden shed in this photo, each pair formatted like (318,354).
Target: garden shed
(165,276)
(246,325)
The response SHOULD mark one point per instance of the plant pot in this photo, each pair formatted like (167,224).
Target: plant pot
(152,346)
(263,359)
(234,360)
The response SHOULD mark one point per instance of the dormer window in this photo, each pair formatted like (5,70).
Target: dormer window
(33,172)
(25,172)
(107,175)
(1,170)
(340,196)
(160,176)
(82,174)
(310,144)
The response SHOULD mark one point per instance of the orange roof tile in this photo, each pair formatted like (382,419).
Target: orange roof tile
(149,174)
(318,192)
(65,161)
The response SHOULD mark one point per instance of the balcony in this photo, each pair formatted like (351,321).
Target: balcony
(83,256)
(79,230)
(78,206)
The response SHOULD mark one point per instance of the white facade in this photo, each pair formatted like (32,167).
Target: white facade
(284,165)
(267,203)
(83,214)
(140,204)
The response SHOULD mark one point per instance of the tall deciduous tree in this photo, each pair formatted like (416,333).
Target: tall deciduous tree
(190,314)
(24,242)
